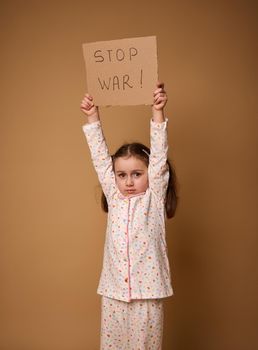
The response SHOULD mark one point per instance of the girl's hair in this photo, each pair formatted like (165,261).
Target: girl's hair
(142,152)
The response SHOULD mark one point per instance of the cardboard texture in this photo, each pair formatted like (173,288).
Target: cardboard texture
(122,72)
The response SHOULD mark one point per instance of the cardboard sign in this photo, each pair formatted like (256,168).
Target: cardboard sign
(122,72)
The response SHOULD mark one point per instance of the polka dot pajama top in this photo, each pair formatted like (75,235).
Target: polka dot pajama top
(135,264)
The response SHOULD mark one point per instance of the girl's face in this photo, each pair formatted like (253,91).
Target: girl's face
(131,175)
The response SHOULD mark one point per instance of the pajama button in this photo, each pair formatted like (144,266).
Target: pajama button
(126,279)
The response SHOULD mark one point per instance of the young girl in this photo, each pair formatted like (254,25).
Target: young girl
(139,192)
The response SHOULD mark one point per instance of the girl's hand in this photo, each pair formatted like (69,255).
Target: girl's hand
(88,107)
(159,102)
(159,97)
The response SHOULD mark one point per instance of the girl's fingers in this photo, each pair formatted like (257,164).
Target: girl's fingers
(160,100)
(160,88)
(87,105)
(160,94)
(159,91)
(160,97)
(87,102)
(89,96)
(87,99)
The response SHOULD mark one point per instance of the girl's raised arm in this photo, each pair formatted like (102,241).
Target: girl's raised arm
(100,156)
(158,167)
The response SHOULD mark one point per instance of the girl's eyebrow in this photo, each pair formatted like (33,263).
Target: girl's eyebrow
(134,170)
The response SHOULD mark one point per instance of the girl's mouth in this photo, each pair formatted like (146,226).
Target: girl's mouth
(130,191)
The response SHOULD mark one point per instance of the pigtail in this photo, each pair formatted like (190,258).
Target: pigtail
(171,195)
(104,203)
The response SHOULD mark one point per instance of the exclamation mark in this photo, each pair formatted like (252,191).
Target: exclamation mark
(141,79)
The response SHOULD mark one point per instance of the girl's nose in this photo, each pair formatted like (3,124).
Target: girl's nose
(129,181)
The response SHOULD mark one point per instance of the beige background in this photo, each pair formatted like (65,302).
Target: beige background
(51,225)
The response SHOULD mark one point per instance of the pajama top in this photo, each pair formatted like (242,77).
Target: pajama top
(135,262)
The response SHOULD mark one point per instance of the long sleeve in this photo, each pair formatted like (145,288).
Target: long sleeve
(100,156)
(158,167)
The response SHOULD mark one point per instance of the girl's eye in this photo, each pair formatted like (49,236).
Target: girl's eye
(121,176)
(137,174)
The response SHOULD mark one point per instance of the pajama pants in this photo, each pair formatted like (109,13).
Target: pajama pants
(137,325)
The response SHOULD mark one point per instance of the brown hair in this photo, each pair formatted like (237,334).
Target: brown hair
(142,152)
